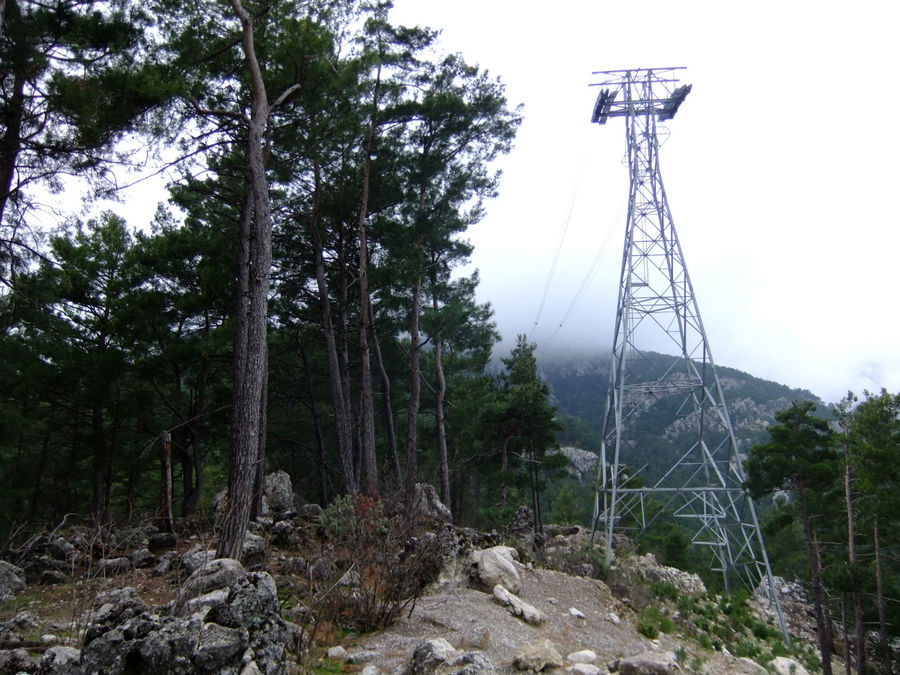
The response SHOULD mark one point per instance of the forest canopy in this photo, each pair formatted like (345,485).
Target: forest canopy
(301,303)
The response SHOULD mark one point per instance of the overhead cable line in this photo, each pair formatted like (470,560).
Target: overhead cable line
(589,275)
(559,242)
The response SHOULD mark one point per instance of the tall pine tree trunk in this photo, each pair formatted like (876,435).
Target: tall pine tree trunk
(415,391)
(317,426)
(98,466)
(341,407)
(823,627)
(369,478)
(441,391)
(860,638)
(259,484)
(887,664)
(249,379)
(388,408)
(10,142)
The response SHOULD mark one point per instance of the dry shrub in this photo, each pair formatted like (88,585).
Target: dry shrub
(372,564)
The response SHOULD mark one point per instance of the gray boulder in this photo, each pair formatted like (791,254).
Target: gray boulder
(496,565)
(142,557)
(59,660)
(428,506)
(110,566)
(782,665)
(16,661)
(518,607)
(279,493)
(161,541)
(220,573)
(253,550)
(12,580)
(112,609)
(226,621)
(522,522)
(310,511)
(196,558)
(217,646)
(648,663)
(538,655)
(438,657)
(284,535)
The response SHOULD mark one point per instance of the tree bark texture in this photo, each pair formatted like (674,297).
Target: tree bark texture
(441,391)
(250,369)
(369,479)
(415,390)
(10,142)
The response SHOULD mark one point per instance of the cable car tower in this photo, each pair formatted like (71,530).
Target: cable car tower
(701,478)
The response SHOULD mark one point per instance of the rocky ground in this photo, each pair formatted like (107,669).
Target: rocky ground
(77,601)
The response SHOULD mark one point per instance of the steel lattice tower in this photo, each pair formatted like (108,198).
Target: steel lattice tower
(702,479)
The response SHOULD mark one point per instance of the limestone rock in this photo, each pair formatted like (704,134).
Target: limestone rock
(203,604)
(284,535)
(537,656)
(585,669)
(685,582)
(59,660)
(217,574)
(648,663)
(495,565)
(310,511)
(782,665)
(218,645)
(22,621)
(522,522)
(428,506)
(253,550)
(795,604)
(582,463)
(429,655)
(196,558)
(16,661)
(227,621)
(108,566)
(279,493)
(12,580)
(337,653)
(161,541)
(438,657)
(745,666)
(518,607)
(112,608)
(583,656)
(142,558)
(584,570)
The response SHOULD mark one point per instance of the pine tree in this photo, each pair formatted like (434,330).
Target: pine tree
(800,458)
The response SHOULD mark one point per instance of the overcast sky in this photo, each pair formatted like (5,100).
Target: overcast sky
(780,169)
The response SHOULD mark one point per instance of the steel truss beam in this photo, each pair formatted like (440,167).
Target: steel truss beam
(657,310)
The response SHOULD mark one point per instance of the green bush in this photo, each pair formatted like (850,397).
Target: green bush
(354,518)
(665,590)
(652,621)
(647,628)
